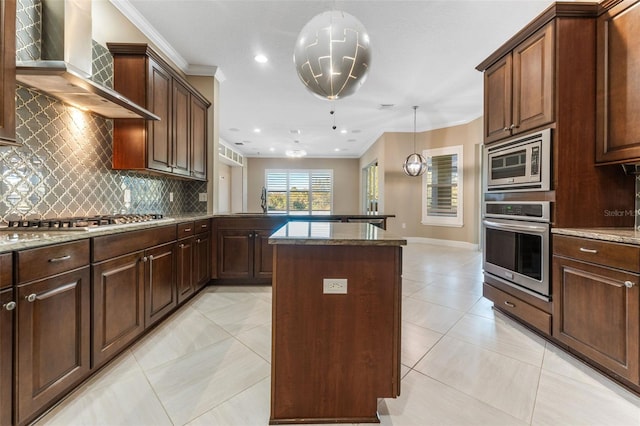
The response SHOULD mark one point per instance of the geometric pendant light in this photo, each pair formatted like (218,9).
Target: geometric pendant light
(415,164)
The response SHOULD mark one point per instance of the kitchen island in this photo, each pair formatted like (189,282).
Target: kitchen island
(336,322)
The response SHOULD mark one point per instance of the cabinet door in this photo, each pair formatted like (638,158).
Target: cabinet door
(181,152)
(201,260)
(596,314)
(159,138)
(618,84)
(184,269)
(497,100)
(533,78)
(263,259)
(52,339)
(198,138)
(8,72)
(235,253)
(6,355)
(160,279)
(118,305)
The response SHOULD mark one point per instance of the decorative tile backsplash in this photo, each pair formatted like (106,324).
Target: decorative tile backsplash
(63,167)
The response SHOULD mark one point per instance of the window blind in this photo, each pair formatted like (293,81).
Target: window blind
(442,185)
(299,191)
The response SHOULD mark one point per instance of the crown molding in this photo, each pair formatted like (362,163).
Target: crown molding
(133,15)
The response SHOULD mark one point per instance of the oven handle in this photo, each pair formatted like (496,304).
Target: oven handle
(525,228)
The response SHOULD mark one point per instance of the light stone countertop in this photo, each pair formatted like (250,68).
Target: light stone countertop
(616,235)
(334,233)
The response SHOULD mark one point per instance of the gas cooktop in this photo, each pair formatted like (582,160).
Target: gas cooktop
(84,223)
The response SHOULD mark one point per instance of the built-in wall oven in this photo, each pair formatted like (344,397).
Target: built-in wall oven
(516,244)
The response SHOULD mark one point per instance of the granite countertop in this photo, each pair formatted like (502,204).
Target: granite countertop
(334,233)
(616,235)
(12,240)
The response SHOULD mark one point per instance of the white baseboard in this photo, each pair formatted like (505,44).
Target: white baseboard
(447,243)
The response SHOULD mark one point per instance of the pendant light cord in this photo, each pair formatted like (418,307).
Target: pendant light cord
(415,109)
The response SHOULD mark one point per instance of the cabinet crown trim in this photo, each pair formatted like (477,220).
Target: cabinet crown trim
(556,10)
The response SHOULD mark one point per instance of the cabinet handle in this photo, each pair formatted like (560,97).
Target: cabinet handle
(506,129)
(60,259)
(509,304)
(513,126)
(198,240)
(203,226)
(587,250)
(151,257)
(144,259)
(187,230)
(31,297)
(181,246)
(629,284)
(9,306)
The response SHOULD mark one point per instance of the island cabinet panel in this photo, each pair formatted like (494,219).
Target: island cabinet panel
(7,318)
(334,354)
(618,82)
(118,305)
(53,347)
(8,72)
(596,304)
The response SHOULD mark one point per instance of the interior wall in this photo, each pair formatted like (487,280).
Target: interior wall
(224,188)
(346,179)
(403,194)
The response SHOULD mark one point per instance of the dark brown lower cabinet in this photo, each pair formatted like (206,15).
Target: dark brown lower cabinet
(53,347)
(596,305)
(7,312)
(160,278)
(184,268)
(202,260)
(118,305)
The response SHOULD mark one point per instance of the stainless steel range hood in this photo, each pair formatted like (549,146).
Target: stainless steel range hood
(65,67)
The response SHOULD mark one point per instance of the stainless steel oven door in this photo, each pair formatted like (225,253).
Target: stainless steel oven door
(517,252)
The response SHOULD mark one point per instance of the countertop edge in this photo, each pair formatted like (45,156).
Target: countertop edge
(616,235)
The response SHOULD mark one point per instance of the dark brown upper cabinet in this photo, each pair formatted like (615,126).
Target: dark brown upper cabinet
(618,84)
(8,72)
(177,143)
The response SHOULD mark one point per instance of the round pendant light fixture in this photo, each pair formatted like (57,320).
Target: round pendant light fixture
(332,55)
(415,164)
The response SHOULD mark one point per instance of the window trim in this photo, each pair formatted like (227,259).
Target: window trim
(456,221)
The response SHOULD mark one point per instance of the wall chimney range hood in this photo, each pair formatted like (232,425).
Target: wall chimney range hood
(65,67)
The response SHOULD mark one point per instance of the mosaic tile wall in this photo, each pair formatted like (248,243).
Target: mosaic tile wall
(63,167)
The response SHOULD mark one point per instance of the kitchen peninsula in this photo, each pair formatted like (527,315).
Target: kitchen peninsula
(336,322)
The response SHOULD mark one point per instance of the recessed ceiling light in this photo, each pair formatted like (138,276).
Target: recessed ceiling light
(256,130)
(272,149)
(295,153)
(337,149)
(261,59)
(295,131)
(343,131)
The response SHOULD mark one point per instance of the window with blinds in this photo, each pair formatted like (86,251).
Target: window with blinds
(299,191)
(442,187)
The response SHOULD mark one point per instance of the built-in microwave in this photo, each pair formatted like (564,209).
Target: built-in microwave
(520,164)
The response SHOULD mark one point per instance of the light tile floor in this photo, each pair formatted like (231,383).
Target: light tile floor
(463,364)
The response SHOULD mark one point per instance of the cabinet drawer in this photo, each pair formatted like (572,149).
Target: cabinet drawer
(615,255)
(186,229)
(109,246)
(202,226)
(516,307)
(51,260)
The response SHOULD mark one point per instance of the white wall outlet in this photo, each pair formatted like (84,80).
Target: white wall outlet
(202,196)
(127,195)
(171,197)
(334,285)
(404,226)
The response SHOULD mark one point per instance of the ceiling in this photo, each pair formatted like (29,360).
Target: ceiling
(424,53)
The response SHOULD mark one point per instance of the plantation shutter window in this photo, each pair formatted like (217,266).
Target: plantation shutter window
(442,187)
